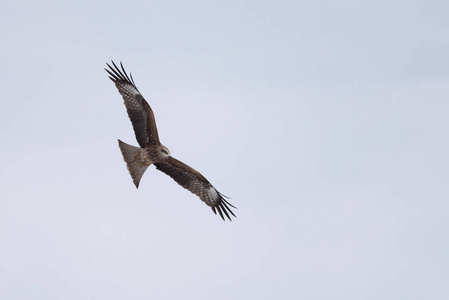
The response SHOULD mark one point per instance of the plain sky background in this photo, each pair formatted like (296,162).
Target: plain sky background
(326,122)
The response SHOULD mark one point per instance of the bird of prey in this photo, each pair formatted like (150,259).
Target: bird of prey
(151,151)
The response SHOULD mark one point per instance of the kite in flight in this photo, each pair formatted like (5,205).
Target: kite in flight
(151,151)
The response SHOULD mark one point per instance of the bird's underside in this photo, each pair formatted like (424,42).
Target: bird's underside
(151,151)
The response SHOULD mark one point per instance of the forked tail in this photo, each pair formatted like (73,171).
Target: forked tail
(136,166)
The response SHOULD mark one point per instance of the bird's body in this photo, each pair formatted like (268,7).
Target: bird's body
(151,151)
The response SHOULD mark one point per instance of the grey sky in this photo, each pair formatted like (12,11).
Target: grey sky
(325,122)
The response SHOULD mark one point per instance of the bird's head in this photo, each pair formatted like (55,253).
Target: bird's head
(164,151)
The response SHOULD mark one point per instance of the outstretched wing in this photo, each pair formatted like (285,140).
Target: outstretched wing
(192,180)
(139,112)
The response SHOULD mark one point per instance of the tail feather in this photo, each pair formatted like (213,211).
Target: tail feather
(136,166)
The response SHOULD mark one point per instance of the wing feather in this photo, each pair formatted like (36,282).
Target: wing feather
(139,111)
(196,183)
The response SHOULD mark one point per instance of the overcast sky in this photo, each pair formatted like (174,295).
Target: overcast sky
(326,122)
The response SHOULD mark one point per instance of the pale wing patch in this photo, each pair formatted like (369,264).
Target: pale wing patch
(129,89)
(213,195)
(131,96)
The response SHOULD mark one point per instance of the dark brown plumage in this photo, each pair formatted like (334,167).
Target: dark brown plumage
(151,151)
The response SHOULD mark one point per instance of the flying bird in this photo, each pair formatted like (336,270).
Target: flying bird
(151,151)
